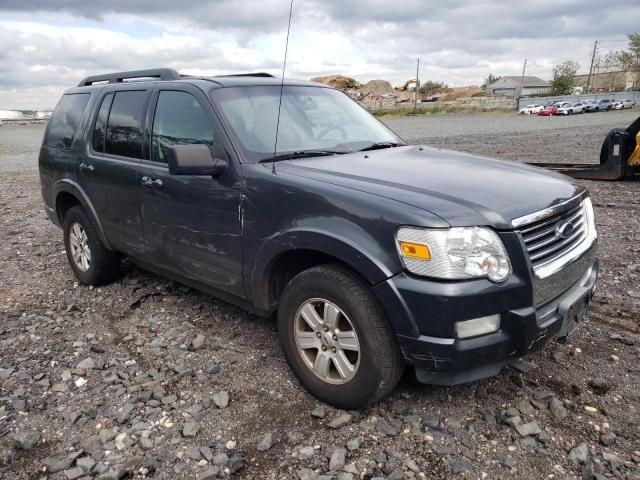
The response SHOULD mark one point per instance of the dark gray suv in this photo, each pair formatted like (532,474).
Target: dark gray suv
(289,197)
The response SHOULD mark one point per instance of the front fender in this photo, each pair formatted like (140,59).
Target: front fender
(352,246)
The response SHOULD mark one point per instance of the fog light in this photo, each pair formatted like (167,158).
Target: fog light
(478,326)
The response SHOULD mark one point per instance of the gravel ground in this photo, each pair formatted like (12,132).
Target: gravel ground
(146,378)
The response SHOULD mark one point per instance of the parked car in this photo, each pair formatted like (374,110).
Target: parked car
(578,107)
(564,108)
(374,254)
(591,105)
(605,105)
(622,104)
(549,111)
(530,109)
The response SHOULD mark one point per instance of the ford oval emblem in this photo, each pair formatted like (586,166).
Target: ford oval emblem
(565,229)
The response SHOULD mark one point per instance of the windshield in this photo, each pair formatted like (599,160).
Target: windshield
(311,118)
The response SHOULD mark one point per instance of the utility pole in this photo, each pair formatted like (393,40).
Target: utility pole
(593,57)
(415,98)
(524,69)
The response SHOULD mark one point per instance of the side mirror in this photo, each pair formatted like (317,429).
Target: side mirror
(194,159)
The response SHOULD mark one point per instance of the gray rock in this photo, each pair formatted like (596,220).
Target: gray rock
(190,429)
(86,364)
(209,474)
(344,476)
(588,471)
(460,465)
(337,459)
(513,421)
(318,412)
(169,399)
(86,463)
(306,453)
(579,454)
(220,459)
(557,408)
(60,388)
(74,473)
(354,443)
(614,460)
(599,385)
(27,440)
(386,427)
(608,439)
(198,342)
(525,407)
(267,441)
(206,453)
(237,462)
(528,429)
(306,474)
(340,420)
(221,399)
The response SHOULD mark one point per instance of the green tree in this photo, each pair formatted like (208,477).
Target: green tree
(489,80)
(564,77)
(630,59)
(430,86)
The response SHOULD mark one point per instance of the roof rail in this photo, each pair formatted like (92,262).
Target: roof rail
(119,77)
(257,74)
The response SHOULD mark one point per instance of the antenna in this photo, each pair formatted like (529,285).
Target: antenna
(284,66)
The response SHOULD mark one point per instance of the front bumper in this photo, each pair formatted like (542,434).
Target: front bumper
(526,324)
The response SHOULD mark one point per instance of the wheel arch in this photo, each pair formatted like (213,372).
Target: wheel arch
(282,258)
(68,194)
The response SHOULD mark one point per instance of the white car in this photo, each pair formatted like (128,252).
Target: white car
(579,107)
(564,108)
(622,104)
(530,110)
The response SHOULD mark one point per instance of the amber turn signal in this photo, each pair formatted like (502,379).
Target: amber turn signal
(415,250)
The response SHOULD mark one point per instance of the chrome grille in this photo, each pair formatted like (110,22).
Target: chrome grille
(546,240)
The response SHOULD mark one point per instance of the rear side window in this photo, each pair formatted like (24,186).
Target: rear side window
(100,129)
(123,128)
(179,120)
(65,120)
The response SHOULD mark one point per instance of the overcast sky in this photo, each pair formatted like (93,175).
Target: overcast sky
(49,45)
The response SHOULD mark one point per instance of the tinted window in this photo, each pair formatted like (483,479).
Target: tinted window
(179,120)
(100,129)
(123,129)
(65,120)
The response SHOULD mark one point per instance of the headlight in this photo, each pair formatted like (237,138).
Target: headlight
(455,254)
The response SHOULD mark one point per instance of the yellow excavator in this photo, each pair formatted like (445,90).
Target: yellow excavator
(619,157)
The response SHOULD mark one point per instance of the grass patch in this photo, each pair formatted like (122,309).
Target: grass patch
(437,110)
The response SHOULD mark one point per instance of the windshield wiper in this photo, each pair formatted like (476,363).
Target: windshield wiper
(379,146)
(300,154)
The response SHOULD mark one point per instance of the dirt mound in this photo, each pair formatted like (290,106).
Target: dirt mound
(379,87)
(337,81)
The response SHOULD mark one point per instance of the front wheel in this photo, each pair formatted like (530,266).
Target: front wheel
(336,338)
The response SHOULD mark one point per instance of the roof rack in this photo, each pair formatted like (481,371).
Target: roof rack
(119,77)
(257,74)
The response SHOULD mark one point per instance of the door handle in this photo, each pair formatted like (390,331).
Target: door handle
(151,182)
(87,167)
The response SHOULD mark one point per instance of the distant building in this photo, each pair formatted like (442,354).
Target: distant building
(609,81)
(11,115)
(518,86)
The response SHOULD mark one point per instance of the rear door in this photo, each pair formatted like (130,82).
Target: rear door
(109,174)
(192,224)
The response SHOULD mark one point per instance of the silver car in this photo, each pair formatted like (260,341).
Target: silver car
(622,104)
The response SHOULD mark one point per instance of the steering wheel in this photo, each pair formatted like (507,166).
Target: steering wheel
(324,132)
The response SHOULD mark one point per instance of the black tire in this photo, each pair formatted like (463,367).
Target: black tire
(104,264)
(380,361)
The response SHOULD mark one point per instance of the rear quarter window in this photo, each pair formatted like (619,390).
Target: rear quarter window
(65,120)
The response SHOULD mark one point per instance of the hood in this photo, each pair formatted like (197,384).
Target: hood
(461,188)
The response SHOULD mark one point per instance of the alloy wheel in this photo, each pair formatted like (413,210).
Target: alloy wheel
(79,243)
(327,341)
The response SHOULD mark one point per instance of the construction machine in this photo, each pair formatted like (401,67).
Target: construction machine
(619,157)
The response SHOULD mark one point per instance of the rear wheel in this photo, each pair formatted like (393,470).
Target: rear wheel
(90,261)
(336,338)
